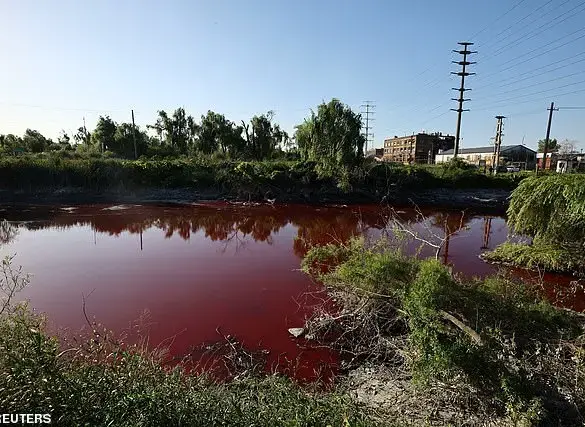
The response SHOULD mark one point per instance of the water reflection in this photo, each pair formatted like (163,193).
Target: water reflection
(8,232)
(235,225)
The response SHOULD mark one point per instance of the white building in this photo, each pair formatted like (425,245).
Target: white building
(519,155)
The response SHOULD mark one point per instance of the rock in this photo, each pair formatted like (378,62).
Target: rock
(296,332)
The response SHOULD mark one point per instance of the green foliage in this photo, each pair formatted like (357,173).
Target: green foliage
(367,270)
(103,137)
(132,387)
(34,142)
(539,255)
(332,137)
(494,336)
(552,146)
(87,168)
(550,208)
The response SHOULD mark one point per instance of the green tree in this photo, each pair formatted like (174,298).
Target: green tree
(82,136)
(123,144)
(262,136)
(10,142)
(103,134)
(216,133)
(34,141)
(64,141)
(553,145)
(332,137)
(178,131)
(550,209)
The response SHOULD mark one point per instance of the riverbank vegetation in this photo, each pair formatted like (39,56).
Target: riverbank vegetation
(249,180)
(436,348)
(254,159)
(550,210)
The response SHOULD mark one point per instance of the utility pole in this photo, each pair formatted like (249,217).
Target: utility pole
(85,132)
(498,143)
(369,106)
(134,139)
(546,140)
(463,73)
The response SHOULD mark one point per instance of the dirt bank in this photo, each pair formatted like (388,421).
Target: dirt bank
(492,200)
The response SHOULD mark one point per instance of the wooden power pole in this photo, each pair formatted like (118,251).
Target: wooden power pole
(134,138)
(546,140)
(463,73)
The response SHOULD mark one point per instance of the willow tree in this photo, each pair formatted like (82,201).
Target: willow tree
(551,209)
(332,137)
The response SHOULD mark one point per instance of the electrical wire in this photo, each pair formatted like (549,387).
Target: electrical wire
(497,19)
(536,32)
(496,105)
(515,79)
(515,25)
(515,64)
(492,95)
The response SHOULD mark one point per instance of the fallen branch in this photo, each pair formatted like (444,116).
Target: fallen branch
(472,334)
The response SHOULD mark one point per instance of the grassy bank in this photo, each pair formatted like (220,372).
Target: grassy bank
(237,178)
(538,256)
(96,384)
(550,210)
(456,350)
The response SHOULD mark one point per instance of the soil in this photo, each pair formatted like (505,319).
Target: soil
(485,200)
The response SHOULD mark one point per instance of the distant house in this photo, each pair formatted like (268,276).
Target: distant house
(517,155)
(571,163)
(416,148)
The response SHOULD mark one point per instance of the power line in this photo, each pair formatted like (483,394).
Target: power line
(534,57)
(497,19)
(535,69)
(536,31)
(545,90)
(534,84)
(499,105)
(553,42)
(514,25)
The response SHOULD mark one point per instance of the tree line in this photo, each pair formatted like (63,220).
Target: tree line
(330,135)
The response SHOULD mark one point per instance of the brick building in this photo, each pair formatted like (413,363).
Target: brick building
(416,148)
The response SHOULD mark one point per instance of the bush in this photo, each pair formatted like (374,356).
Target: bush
(91,170)
(490,346)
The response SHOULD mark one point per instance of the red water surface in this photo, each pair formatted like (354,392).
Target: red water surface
(188,273)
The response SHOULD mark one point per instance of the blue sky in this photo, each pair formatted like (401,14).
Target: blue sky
(65,60)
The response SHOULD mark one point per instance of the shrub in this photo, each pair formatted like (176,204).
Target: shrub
(491,344)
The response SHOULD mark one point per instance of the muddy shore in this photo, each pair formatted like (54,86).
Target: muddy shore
(485,200)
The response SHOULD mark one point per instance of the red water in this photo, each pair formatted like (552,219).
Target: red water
(193,272)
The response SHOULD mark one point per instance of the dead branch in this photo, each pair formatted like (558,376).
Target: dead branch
(472,334)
